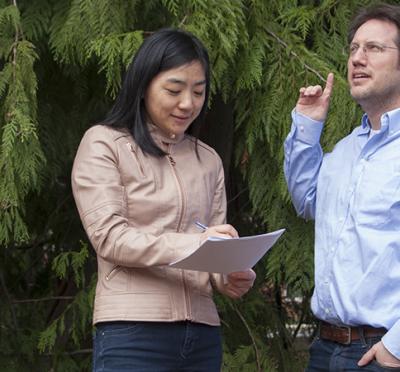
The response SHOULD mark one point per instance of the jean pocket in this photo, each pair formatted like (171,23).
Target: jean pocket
(110,329)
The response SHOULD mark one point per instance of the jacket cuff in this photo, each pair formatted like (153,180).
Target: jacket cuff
(218,281)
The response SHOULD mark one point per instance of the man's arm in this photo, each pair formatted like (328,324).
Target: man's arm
(303,153)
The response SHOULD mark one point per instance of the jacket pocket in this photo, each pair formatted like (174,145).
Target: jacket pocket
(114,271)
(117,279)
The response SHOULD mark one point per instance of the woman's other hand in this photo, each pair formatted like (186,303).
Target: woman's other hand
(239,283)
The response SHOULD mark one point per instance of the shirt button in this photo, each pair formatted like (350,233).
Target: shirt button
(327,311)
(301,128)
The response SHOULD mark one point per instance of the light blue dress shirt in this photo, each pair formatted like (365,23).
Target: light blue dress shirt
(353,193)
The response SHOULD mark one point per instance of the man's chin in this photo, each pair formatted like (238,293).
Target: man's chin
(359,94)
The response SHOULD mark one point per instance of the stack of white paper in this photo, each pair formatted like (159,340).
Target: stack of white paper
(225,256)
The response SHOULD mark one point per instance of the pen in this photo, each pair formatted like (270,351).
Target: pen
(200,225)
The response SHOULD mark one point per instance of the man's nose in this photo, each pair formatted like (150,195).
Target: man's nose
(359,56)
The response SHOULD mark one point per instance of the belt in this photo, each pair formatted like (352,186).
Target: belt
(346,335)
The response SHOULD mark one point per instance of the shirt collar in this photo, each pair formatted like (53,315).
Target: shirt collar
(365,125)
(389,121)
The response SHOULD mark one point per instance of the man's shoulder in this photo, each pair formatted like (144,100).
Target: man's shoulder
(350,137)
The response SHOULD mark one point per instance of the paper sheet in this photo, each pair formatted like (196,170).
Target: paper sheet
(224,256)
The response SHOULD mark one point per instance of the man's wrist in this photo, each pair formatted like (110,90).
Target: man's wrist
(307,129)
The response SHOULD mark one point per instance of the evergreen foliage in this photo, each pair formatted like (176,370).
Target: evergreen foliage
(61,64)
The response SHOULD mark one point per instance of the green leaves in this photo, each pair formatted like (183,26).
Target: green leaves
(78,313)
(36,17)
(75,260)
(299,19)
(9,15)
(49,335)
(21,155)
(114,53)
(172,6)
(206,19)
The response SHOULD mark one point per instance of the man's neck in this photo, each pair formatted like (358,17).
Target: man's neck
(377,109)
(375,119)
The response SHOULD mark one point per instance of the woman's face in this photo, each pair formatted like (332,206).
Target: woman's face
(175,97)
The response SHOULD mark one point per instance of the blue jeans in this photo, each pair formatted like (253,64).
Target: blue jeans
(329,356)
(156,347)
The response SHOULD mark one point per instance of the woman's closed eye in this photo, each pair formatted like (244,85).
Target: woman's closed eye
(173,91)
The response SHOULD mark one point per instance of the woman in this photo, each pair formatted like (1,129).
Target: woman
(140,183)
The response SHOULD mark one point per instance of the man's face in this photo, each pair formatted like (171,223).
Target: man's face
(373,66)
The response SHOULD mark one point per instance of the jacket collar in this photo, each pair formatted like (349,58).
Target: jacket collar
(161,137)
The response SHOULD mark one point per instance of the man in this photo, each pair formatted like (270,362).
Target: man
(354,195)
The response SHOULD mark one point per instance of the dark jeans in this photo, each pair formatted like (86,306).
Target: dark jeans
(156,347)
(328,356)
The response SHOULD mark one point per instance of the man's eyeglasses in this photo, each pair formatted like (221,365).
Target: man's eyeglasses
(371,48)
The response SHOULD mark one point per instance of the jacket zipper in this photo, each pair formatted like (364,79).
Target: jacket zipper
(180,188)
(181,192)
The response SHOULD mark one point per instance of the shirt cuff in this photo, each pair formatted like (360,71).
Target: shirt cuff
(391,340)
(307,130)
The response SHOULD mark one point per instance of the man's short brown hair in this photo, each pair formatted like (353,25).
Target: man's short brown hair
(383,12)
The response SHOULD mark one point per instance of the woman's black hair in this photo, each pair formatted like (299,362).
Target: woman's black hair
(163,50)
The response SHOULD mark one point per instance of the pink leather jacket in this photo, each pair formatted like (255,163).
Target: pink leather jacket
(139,212)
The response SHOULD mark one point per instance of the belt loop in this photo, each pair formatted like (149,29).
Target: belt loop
(318,335)
(361,333)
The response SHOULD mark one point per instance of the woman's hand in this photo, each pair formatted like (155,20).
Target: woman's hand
(239,283)
(220,231)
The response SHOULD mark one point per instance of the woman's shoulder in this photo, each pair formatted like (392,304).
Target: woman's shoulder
(105,132)
(207,154)
(202,147)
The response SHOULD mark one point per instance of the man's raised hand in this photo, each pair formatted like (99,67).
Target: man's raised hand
(313,101)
